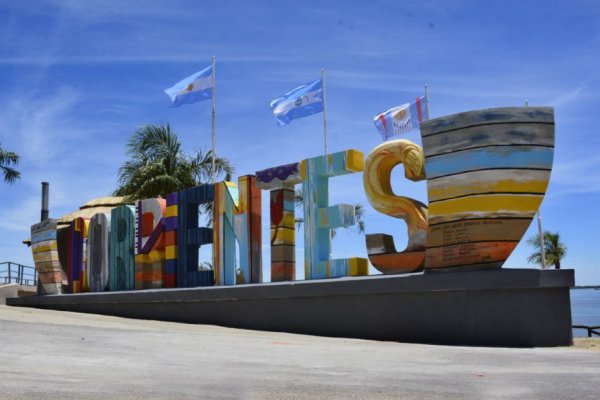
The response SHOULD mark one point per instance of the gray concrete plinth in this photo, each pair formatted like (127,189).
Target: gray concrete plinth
(504,307)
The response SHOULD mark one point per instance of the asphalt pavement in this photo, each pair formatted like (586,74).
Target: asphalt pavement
(60,355)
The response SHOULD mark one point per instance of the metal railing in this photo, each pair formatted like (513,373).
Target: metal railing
(11,272)
(591,330)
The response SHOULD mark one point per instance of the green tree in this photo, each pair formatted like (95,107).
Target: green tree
(554,248)
(9,160)
(157,165)
(359,212)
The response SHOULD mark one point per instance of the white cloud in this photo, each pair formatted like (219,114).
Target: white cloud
(56,144)
(18,219)
(40,124)
(569,97)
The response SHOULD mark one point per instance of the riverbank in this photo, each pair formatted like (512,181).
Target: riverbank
(587,343)
(61,355)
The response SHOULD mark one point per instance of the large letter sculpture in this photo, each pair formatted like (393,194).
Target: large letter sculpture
(77,258)
(487,173)
(378,188)
(185,232)
(150,243)
(122,258)
(280,181)
(320,218)
(45,257)
(98,245)
(237,216)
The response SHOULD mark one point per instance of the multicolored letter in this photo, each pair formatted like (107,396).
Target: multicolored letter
(98,244)
(45,257)
(320,218)
(280,181)
(76,260)
(189,236)
(237,219)
(122,260)
(150,243)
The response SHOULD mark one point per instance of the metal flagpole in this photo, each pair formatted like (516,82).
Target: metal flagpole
(325,135)
(540,230)
(427,100)
(213,169)
(212,166)
(324,109)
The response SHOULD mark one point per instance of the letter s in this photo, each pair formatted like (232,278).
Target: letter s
(377,183)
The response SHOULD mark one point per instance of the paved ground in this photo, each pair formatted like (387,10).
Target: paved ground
(61,355)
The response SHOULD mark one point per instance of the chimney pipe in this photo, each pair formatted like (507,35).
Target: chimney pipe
(45,194)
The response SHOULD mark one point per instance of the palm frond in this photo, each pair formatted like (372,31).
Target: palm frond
(554,249)
(202,167)
(158,166)
(298,198)
(9,160)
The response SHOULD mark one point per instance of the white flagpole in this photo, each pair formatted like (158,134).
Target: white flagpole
(427,100)
(213,169)
(542,246)
(324,109)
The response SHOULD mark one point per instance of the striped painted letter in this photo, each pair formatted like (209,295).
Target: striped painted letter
(320,217)
(183,222)
(122,260)
(487,173)
(237,217)
(45,257)
(98,244)
(76,259)
(280,181)
(150,243)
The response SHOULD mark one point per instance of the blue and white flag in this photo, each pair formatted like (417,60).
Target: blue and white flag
(402,119)
(194,88)
(300,102)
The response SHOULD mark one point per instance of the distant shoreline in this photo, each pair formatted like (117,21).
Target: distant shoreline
(586,287)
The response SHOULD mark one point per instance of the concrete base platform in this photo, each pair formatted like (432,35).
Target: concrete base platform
(505,307)
(15,290)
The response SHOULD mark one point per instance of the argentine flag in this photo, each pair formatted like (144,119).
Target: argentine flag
(194,88)
(300,102)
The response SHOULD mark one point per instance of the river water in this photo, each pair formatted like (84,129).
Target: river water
(585,309)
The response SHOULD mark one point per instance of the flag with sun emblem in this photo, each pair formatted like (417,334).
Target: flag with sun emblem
(402,119)
(300,102)
(194,88)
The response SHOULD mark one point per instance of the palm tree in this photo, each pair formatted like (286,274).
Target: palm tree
(8,159)
(359,212)
(554,248)
(158,166)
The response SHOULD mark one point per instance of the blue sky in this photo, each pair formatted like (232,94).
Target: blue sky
(78,77)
